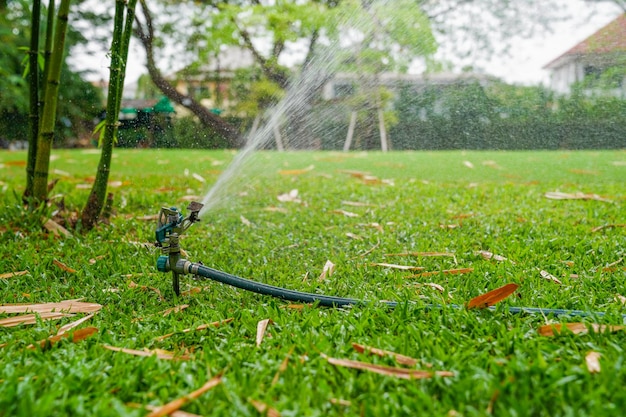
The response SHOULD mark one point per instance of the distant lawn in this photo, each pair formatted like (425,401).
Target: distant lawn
(355,210)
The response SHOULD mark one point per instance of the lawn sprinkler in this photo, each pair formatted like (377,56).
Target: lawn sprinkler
(171,224)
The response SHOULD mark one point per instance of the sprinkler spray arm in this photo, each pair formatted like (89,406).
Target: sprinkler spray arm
(172,223)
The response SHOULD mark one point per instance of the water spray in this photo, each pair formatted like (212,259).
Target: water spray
(171,224)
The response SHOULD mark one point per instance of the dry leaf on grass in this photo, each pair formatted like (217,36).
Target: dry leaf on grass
(276,209)
(63,266)
(176,309)
(55,228)
(31,318)
(401,267)
(201,327)
(66,306)
(353,236)
(557,195)
(357,204)
(402,373)
(468,164)
(401,359)
(592,359)
(296,171)
(66,328)
(13,274)
(77,336)
(549,276)
(261,327)
(620,298)
(264,409)
(339,401)
(327,271)
(490,256)
(290,197)
(432,285)
(423,254)
(346,213)
(198,177)
(245,221)
(492,297)
(577,328)
(170,407)
(149,407)
(606,226)
(444,272)
(161,354)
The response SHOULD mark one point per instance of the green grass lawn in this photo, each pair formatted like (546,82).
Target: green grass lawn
(456,203)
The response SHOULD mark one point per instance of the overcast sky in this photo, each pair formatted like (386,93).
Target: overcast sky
(523,66)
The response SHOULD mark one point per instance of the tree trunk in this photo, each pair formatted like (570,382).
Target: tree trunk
(212,121)
(33,78)
(48,118)
(384,146)
(119,55)
(348,142)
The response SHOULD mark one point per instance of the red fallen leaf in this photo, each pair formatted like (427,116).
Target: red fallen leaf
(63,266)
(401,359)
(445,272)
(492,297)
(402,373)
(577,328)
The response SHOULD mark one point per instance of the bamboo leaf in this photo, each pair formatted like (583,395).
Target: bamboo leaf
(170,407)
(492,297)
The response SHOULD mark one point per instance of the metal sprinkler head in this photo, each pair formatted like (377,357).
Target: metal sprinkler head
(170,225)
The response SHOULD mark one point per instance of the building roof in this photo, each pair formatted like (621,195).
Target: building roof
(611,38)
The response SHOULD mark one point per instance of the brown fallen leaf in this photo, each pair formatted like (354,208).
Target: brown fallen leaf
(149,407)
(31,318)
(66,306)
(264,409)
(66,328)
(557,195)
(261,327)
(77,336)
(327,271)
(201,327)
(492,297)
(402,373)
(8,275)
(158,353)
(276,209)
(432,285)
(170,407)
(444,272)
(356,174)
(396,266)
(346,213)
(296,171)
(176,309)
(55,228)
(491,256)
(339,401)
(353,236)
(63,266)
(423,254)
(290,197)
(606,226)
(401,359)
(147,217)
(592,359)
(577,328)
(357,204)
(549,276)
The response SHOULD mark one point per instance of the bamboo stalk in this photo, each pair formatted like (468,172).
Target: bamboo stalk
(33,78)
